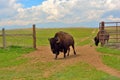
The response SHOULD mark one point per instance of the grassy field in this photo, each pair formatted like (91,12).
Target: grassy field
(8,56)
(44,34)
(81,71)
(14,67)
(110,57)
(77,33)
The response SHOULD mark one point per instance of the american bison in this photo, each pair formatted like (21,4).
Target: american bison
(61,42)
(102,36)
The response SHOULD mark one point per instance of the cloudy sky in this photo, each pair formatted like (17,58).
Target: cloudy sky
(57,13)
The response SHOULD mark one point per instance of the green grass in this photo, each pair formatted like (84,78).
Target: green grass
(8,56)
(81,71)
(28,71)
(107,50)
(112,61)
(13,66)
(25,41)
(110,57)
(42,36)
(77,33)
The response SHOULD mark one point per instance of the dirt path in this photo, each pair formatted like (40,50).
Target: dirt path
(91,56)
(84,53)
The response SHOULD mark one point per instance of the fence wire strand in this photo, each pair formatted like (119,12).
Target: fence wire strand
(20,37)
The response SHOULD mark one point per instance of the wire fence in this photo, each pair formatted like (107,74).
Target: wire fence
(39,37)
(18,37)
(113,28)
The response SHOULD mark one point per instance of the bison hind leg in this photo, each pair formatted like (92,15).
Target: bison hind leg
(65,51)
(68,51)
(74,49)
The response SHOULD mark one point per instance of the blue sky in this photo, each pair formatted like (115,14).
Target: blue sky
(30,3)
(57,13)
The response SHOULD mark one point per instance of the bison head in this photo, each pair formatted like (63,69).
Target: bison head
(96,41)
(54,44)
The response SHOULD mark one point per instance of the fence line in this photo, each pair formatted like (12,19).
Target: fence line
(34,36)
(113,28)
(4,38)
(4,35)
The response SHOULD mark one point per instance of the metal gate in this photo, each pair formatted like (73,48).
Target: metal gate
(113,28)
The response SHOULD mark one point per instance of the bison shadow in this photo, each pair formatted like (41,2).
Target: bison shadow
(68,57)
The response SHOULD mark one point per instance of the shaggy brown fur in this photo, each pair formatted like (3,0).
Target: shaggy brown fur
(61,42)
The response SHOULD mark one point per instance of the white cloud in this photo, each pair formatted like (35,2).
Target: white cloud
(112,18)
(65,11)
(8,8)
(112,4)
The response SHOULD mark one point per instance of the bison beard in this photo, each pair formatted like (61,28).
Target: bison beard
(61,42)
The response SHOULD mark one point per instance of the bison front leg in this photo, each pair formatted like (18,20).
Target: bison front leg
(56,55)
(64,55)
(65,51)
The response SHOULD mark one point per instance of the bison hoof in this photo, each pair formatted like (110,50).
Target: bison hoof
(55,58)
(74,52)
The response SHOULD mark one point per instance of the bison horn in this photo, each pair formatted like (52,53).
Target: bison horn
(58,40)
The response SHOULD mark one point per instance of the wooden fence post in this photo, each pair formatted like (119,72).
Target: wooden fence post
(4,38)
(102,25)
(34,36)
(102,33)
(117,33)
